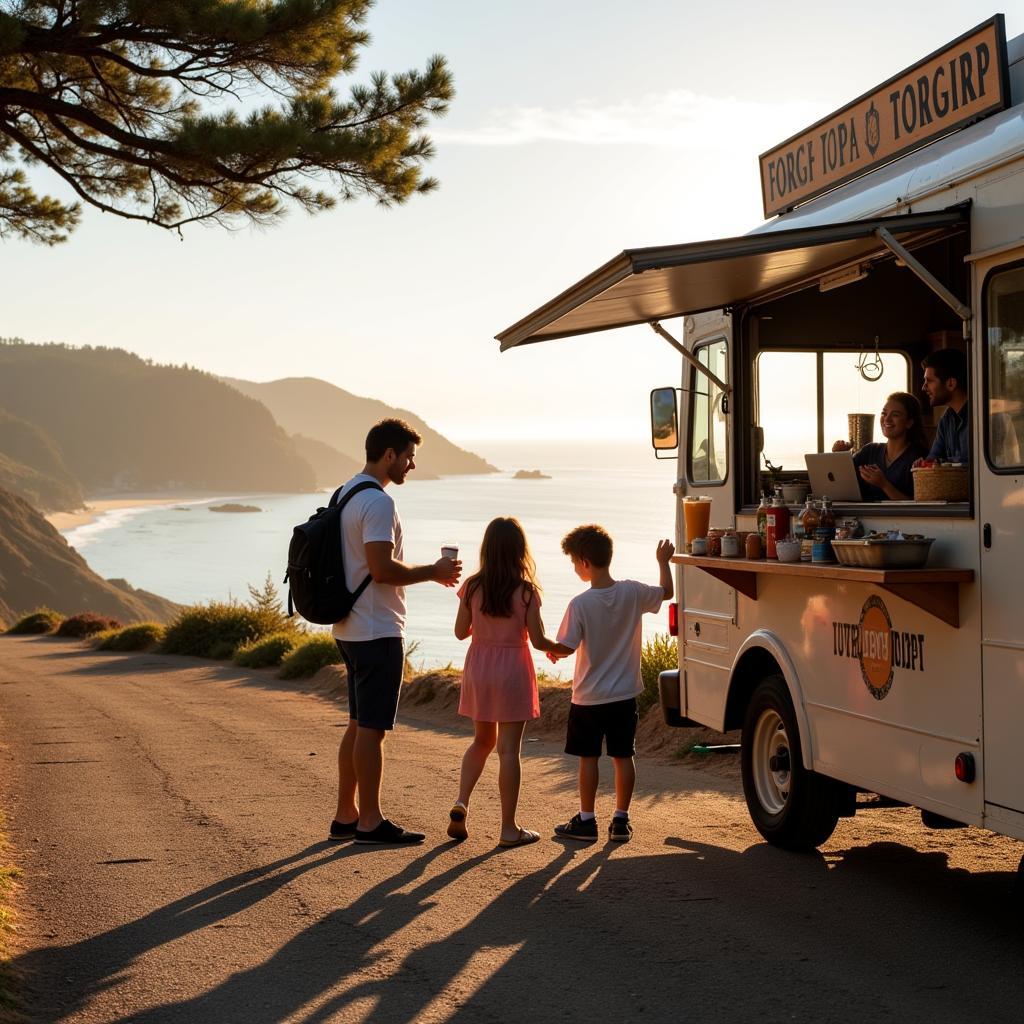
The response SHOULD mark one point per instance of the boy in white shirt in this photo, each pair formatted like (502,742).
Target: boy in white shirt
(602,626)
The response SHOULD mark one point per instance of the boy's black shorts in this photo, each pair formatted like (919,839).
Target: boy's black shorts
(589,724)
(374,670)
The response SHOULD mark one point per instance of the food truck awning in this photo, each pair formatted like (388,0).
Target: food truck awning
(646,285)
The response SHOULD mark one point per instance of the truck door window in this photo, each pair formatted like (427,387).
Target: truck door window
(709,440)
(1004,370)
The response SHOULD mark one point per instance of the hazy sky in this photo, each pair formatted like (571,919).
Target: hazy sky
(579,129)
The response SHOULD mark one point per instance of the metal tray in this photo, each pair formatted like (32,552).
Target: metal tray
(883,554)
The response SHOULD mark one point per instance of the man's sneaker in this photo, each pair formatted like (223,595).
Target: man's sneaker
(387,833)
(577,828)
(620,830)
(343,829)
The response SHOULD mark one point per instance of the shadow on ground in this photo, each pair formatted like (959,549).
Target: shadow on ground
(692,931)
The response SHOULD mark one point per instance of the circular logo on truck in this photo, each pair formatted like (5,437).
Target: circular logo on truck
(872,129)
(876,656)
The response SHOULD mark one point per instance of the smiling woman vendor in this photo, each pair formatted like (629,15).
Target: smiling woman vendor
(885,469)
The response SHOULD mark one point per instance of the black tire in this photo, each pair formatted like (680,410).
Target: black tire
(791,807)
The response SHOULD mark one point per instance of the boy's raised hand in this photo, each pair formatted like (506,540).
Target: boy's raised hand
(666,549)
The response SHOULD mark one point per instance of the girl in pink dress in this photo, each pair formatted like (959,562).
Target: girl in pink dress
(500,607)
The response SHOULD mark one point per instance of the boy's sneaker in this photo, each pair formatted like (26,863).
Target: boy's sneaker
(387,833)
(620,830)
(577,828)
(343,829)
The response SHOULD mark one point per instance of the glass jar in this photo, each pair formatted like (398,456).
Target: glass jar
(715,542)
(730,544)
(753,545)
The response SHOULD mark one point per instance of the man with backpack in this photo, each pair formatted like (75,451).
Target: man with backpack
(371,637)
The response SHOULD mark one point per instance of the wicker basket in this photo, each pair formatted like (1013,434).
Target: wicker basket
(940,483)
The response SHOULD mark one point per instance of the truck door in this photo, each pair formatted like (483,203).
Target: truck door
(708,605)
(1000,435)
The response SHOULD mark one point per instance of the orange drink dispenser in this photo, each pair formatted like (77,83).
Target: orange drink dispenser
(696,517)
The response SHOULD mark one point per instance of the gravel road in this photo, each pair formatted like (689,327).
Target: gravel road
(170,814)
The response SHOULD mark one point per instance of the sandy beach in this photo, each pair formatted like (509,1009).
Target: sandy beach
(99,506)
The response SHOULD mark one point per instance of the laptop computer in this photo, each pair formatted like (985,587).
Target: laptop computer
(833,475)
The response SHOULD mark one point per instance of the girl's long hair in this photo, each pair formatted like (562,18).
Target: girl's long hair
(505,565)
(912,407)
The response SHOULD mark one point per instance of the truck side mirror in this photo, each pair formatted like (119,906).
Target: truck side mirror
(664,419)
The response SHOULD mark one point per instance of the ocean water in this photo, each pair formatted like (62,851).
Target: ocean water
(188,554)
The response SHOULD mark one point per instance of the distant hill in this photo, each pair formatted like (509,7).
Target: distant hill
(124,424)
(330,466)
(318,410)
(37,567)
(31,466)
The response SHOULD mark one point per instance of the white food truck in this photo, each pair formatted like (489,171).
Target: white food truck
(898,229)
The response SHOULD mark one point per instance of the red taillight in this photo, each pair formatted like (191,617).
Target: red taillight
(673,619)
(963,766)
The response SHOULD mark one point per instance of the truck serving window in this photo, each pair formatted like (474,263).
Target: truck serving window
(1004,369)
(805,399)
(709,440)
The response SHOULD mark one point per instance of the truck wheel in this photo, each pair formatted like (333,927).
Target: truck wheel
(790,806)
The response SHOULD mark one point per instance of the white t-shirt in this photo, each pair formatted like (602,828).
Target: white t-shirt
(602,625)
(380,611)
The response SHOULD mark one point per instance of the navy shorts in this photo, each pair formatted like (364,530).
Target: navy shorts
(374,669)
(614,724)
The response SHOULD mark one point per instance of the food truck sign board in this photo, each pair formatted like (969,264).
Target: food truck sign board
(964,81)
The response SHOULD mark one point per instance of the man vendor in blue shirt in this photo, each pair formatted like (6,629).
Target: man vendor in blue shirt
(945,383)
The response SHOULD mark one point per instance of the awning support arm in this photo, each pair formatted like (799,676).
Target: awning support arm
(690,357)
(914,266)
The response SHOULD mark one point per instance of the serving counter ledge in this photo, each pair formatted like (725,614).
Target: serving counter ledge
(936,591)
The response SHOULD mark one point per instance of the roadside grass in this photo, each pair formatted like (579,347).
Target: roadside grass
(257,634)
(218,629)
(269,651)
(8,874)
(139,636)
(37,623)
(313,654)
(86,624)
(659,654)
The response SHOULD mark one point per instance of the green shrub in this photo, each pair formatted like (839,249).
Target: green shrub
(86,624)
(140,636)
(310,656)
(659,654)
(218,629)
(267,652)
(42,620)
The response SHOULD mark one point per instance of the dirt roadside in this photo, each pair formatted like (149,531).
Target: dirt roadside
(169,816)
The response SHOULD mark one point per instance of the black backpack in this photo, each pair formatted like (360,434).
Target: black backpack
(316,564)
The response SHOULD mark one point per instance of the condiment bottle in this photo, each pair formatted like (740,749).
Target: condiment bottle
(762,517)
(730,544)
(753,544)
(824,534)
(809,520)
(714,542)
(778,525)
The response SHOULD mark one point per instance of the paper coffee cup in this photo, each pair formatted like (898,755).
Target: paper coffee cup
(450,551)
